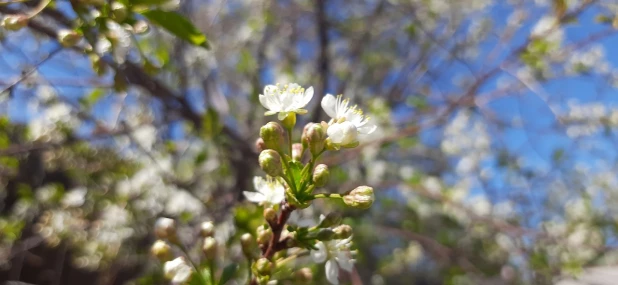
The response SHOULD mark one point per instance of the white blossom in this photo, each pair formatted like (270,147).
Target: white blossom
(348,123)
(177,270)
(337,254)
(285,99)
(269,191)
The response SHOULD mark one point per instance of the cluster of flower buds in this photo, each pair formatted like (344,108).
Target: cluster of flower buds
(293,174)
(180,269)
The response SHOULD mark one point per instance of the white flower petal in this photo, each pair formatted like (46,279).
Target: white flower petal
(332,272)
(259,183)
(329,104)
(345,261)
(367,128)
(321,254)
(264,101)
(343,133)
(254,197)
(277,197)
(307,96)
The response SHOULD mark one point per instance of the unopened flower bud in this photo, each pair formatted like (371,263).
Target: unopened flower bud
(207,229)
(263,266)
(273,135)
(264,235)
(321,175)
(315,137)
(270,215)
(249,247)
(304,275)
(260,145)
(361,197)
(297,152)
(119,11)
(303,137)
(161,250)
(270,162)
(332,219)
(343,232)
(68,38)
(209,248)
(289,121)
(325,234)
(165,228)
(14,22)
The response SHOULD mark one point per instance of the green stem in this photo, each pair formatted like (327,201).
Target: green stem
(326,195)
(211,266)
(291,257)
(290,140)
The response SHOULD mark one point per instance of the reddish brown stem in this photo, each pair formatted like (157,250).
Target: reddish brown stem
(275,245)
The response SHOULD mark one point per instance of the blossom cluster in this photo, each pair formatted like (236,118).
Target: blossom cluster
(292,176)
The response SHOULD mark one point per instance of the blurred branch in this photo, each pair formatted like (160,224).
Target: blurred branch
(323,60)
(441,252)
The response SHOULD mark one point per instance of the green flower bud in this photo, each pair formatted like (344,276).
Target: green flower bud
(273,135)
(161,250)
(264,234)
(68,38)
(325,234)
(15,22)
(316,139)
(263,266)
(332,219)
(297,152)
(343,232)
(321,175)
(207,229)
(360,198)
(165,228)
(270,215)
(270,162)
(209,248)
(119,11)
(289,121)
(249,247)
(304,275)
(260,145)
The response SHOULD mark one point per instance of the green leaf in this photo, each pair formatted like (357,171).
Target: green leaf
(228,273)
(92,98)
(296,169)
(177,25)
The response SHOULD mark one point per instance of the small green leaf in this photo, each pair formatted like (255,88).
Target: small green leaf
(228,273)
(92,98)
(177,25)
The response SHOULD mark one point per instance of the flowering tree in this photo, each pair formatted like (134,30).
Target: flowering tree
(129,128)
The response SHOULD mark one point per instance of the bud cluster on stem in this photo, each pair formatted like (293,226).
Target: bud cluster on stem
(293,173)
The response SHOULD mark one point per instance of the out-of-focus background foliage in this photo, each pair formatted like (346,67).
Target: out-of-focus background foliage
(494,162)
